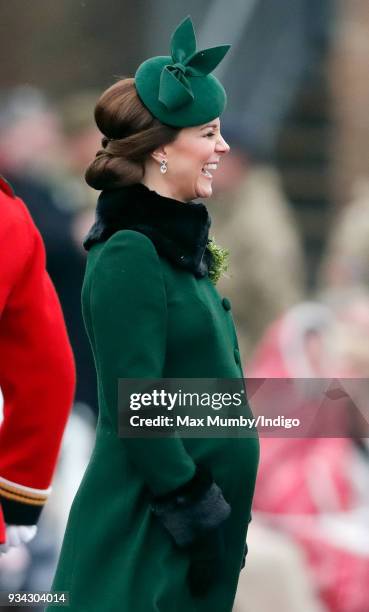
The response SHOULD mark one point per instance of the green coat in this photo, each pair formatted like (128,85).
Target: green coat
(147,318)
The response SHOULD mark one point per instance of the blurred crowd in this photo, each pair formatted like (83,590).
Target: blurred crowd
(309,539)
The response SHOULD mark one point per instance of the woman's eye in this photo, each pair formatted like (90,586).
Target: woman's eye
(211,134)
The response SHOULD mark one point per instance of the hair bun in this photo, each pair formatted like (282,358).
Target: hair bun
(129,134)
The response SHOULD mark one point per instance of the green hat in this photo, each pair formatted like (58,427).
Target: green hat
(179,89)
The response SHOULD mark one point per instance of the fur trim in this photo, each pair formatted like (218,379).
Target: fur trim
(245,551)
(193,509)
(178,230)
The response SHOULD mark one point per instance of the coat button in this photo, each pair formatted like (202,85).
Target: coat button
(226,303)
(236,353)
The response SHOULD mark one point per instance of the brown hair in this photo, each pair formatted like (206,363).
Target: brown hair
(130,132)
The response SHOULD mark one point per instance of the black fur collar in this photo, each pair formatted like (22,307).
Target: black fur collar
(179,230)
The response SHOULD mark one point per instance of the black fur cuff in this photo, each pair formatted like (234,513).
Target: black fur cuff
(246,548)
(192,509)
(245,551)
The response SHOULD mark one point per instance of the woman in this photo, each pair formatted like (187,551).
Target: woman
(158,524)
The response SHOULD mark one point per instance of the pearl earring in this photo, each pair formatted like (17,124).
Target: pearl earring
(163,166)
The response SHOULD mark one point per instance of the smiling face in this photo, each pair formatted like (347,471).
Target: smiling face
(191,159)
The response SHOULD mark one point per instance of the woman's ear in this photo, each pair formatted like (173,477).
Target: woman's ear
(159,154)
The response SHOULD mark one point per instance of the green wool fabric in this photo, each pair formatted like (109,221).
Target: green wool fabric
(148,318)
(179,89)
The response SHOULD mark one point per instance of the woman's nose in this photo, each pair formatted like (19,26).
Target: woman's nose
(222,145)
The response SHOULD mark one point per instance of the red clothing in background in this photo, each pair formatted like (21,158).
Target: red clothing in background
(37,374)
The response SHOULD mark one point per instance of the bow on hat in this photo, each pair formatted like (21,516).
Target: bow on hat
(175,88)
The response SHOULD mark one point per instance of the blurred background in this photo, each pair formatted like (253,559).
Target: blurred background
(290,202)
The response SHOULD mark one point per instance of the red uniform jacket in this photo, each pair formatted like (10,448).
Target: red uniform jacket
(37,374)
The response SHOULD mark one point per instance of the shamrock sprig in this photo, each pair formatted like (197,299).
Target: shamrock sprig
(220,261)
